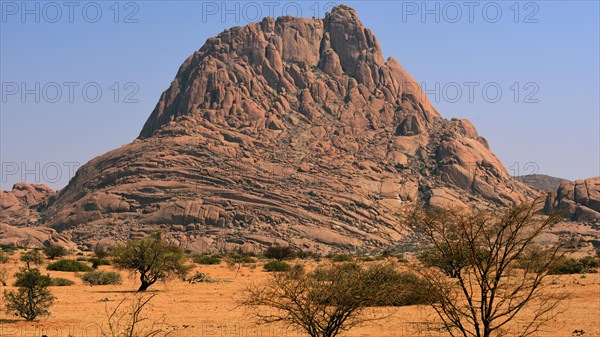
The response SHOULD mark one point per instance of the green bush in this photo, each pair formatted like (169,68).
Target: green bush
(583,265)
(206,259)
(280,253)
(98,262)
(60,282)
(68,265)
(276,266)
(101,277)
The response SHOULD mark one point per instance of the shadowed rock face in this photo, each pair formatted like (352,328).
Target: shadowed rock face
(290,129)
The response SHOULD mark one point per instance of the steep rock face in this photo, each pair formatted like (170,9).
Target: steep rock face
(289,129)
(578,199)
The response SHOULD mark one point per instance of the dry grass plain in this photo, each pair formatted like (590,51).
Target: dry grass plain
(211,309)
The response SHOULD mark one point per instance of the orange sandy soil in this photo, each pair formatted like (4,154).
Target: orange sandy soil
(211,309)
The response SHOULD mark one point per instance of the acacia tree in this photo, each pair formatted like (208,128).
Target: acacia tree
(153,258)
(326,302)
(53,250)
(486,268)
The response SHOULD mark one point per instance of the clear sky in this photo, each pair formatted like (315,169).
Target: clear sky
(55,56)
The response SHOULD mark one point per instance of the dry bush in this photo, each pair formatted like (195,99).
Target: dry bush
(127,319)
(485,268)
(324,303)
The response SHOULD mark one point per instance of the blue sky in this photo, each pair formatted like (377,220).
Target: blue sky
(543,56)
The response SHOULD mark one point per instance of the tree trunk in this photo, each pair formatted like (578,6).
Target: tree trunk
(144,286)
(145,283)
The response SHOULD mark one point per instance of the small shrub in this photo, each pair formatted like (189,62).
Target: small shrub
(205,259)
(3,257)
(101,277)
(340,257)
(236,258)
(52,251)
(68,265)
(306,255)
(98,262)
(280,253)
(60,282)
(101,251)
(3,276)
(276,266)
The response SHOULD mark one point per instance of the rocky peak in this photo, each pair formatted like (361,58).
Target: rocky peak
(243,75)
(287,129)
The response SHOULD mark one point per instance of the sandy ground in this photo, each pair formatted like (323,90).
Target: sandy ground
(212,309)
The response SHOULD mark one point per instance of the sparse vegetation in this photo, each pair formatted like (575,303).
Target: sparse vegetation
(276,266)
(127,319)
(68,265)
(101,277)
(32,299)
(206,259)
(96,262)
(324,303)
(235,258)
(3,256)
(583,265)
(3,276)
(53,250)
(153,258)
(340,257)
(60,282)
(497,269)
(279,252)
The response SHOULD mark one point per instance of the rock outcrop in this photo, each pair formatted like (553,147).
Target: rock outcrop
(288,129)
(18,206)
(579,200)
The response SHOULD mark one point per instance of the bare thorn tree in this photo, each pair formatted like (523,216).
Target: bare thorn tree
(486,268)
(324,303)
(126,319)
